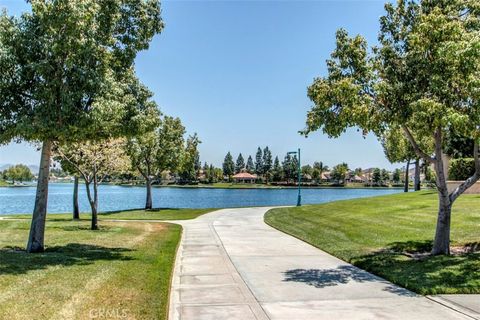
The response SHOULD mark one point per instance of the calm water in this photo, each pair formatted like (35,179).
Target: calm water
(21,200)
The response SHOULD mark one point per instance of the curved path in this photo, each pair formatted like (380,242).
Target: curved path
(231,265)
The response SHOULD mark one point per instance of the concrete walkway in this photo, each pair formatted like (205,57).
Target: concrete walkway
(231,265)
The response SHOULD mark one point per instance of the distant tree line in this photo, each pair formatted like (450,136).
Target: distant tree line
(17,173)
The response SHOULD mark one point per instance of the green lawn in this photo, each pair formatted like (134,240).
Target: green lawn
(155,214)
(379,234)
(122,270)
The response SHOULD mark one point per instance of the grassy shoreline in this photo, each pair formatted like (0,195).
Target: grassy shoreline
(134,214)
(384,234)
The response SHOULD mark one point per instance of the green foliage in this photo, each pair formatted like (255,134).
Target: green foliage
(277,170)
(259,162)
(159,150)
(212,174)
(267,160)
(228,165)
(290,167)
(376,176)
(188,163)
(461,169)
(396,176)
(307,169)
(421,78)
(240,164)
(339,173)
(458,147)
(250,166)
(19,172)
(62,80)
(385,176)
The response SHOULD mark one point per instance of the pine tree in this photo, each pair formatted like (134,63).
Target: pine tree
(294,169)
(277,170)
(250,166)
(240,165)
(287,167)
(259,162)
(228,165)
(267,160)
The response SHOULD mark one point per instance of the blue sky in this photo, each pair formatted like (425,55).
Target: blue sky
(237,72)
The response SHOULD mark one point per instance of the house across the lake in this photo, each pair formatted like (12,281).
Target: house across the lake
(244,177)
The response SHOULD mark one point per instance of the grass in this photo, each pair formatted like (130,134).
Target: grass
(4,183)
(122,270)
(380,234)
(155,214)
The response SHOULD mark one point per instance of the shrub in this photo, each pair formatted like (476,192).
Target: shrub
(461,169)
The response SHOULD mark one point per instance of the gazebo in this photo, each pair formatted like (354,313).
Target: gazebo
(244,177)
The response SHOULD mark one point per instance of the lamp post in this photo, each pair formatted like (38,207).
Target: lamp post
(299,199)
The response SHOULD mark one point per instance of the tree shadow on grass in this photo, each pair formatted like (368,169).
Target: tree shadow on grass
(15,261)
(321,278)
(409,265)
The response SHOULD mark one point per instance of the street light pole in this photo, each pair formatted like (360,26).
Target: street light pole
(299,199)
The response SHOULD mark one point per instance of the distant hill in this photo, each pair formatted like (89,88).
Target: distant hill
(33,168)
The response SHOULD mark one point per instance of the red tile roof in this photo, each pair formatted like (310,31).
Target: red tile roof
(244,175)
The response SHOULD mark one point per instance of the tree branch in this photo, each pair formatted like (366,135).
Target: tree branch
(415,146)
(470,181)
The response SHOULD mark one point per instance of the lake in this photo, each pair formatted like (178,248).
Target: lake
(111,198)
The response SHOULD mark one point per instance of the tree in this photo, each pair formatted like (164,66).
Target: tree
(307,170)
(259,162)
(339,173)
(288,169)
(385,177)
(267,163)
(250,166)
(188,163)
(377,176)
(318,169)
(294,167)
(277,170)
(421,79)
(94,161)
(53,70)
(69,168)
(19,172)
(396,176)
(153,152)
(240,164)
(228,165)
(397,148)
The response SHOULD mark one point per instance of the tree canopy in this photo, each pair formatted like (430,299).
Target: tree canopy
(422,79)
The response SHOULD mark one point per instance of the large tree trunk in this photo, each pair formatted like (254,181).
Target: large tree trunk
(441,243)
(148,203)
(76,210)
(37,228)
(406,185)
(417,175)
